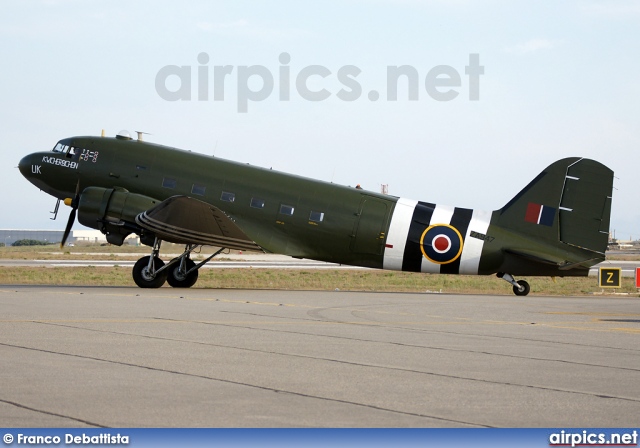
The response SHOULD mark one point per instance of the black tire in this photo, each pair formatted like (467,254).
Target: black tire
(525,291)
(178,281)
(141,276)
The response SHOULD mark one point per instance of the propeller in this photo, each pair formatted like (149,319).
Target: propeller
(73,203)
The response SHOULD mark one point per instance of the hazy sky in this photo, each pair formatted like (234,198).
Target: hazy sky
(560,79)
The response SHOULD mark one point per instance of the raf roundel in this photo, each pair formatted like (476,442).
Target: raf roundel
(441,243)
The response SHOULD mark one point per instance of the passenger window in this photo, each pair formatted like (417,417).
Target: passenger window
(316,216)
(169,183)
(257,203)
(227,197)
(198,189)
(286,209)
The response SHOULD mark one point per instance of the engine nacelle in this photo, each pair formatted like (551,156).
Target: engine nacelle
(112,211)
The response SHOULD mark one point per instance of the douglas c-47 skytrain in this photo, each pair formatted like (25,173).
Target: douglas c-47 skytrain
(558,225)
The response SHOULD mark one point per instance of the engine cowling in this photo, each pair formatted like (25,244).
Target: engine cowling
(112,211)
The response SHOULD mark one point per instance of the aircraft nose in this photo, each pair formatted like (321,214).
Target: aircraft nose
(25,165)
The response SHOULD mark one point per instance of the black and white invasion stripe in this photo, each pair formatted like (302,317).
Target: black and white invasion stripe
(411,222)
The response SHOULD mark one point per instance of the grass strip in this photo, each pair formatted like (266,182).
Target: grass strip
(324,280)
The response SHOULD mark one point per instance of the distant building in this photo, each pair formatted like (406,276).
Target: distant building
(89,236)
(97,237)
(9,236)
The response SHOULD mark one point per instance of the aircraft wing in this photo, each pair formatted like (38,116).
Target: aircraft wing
(184,220)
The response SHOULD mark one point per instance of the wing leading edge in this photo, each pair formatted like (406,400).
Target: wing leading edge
(184,220)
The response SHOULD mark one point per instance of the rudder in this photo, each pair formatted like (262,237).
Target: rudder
(585,205)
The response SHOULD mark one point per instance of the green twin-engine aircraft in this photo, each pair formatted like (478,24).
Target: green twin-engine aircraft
(558,225)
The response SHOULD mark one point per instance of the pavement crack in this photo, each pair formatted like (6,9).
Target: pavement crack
(401,344)
(397,369)
(41,411)
(255,386)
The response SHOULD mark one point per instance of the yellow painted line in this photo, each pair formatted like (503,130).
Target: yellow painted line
(628,330)
(600,330)
(324,323)
(242,322)
(248,302)
(591,313)
(292,305)
(85,321)
(458,320)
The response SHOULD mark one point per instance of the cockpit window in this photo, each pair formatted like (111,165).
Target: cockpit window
(70,152)
(61,147)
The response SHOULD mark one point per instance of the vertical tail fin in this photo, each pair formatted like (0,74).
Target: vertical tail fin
(570,202)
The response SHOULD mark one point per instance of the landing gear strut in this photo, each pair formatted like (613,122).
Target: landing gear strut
(520,287)
(181,272)
(148,272)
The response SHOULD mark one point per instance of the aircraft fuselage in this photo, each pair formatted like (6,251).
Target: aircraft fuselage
(306,218)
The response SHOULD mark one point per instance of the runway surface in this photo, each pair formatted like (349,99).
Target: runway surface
(125,357)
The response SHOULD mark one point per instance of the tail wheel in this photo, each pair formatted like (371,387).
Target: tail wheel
(525,288)
(146,279)
(178,280)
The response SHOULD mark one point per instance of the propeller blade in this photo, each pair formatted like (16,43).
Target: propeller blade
(67,230)
(73,203)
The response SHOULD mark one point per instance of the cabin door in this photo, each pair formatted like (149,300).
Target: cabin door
(370,226)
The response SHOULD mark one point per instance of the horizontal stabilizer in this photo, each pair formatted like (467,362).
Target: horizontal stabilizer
(547,258)
(184,220)
(538,257)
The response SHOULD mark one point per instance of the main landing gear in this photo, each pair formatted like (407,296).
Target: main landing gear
(181,272)
(520,287)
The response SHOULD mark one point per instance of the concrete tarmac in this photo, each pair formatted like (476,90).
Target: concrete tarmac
(127,357)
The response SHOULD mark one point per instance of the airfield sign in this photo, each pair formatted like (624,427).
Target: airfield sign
(610,277)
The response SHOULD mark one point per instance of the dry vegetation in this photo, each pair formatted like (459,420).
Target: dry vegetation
(78,252)
(325,279)
(292,279)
